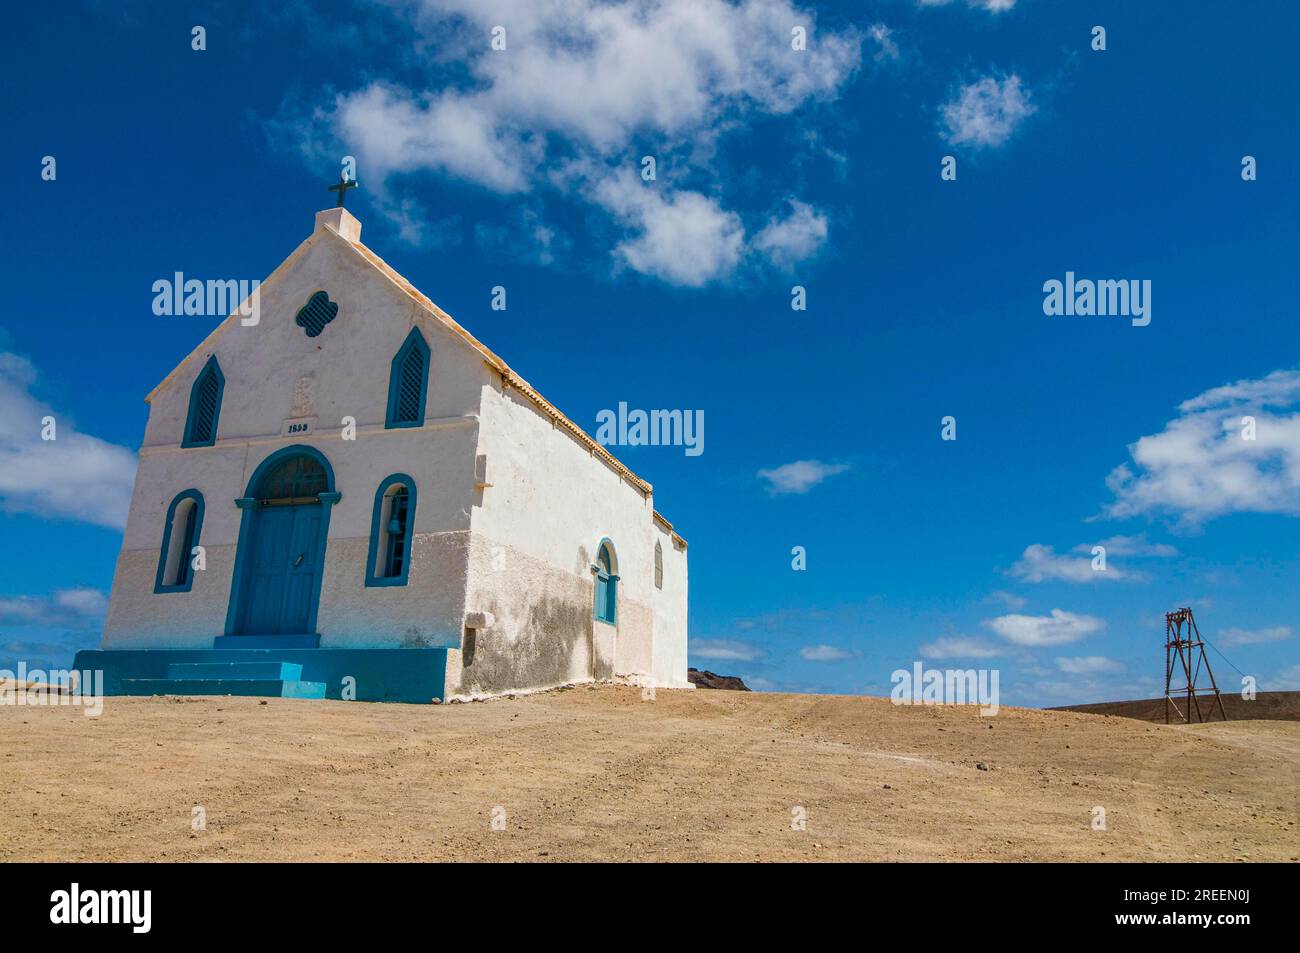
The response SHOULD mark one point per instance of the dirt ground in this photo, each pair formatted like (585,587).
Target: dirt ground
(597,773)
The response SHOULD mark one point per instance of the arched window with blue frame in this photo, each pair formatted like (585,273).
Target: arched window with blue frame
(205,406)
(392,526)
(180,537)
(408,383)
(606,574)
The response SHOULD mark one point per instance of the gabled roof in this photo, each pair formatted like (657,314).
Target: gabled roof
(430,311)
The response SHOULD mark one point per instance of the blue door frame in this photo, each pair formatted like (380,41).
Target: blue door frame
(280,558)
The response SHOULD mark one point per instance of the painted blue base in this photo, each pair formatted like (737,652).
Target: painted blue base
(266,642)
(415,676)
(259,687)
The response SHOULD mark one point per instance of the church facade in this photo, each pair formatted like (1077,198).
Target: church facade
(354,497)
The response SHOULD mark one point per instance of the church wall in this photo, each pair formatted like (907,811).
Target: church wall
(346,372)
(536,534)
(670,604)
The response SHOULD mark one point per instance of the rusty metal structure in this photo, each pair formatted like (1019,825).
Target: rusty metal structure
(1185,652)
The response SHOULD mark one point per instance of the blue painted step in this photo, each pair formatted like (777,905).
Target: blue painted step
(260,687)
(275,671)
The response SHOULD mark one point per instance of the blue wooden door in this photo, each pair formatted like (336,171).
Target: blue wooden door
(285,574)
(303,574)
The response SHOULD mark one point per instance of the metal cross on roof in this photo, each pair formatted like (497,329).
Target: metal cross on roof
(342,187)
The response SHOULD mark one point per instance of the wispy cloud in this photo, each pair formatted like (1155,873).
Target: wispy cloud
(1088,665)
(62,607)
(1041,563)
(1278,633)
(1136,546)
(800,476)
(725,649)
(958,647)
(824,653)
(991,6)
(986,113)
(1058,628)
(1008,599)
(74,476)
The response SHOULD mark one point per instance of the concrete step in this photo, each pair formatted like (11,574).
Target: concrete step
(258,687)
(277,671)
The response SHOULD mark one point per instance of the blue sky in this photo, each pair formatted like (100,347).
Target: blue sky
(775,167)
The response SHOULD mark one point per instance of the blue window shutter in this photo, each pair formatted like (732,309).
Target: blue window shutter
(205,406)
(408,385)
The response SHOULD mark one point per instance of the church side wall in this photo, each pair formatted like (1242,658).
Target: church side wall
(670,613)
(535,533)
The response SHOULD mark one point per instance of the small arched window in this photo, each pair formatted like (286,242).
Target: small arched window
(659,565)
(180,537)
(408,384)
(205,406)
(606,573)
(390,534)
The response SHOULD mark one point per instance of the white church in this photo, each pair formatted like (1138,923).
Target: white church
(354,498)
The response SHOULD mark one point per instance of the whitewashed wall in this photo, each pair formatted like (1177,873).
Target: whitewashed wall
(520,549)
(349,365)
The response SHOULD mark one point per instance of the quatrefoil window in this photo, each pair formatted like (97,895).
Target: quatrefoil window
(316,313)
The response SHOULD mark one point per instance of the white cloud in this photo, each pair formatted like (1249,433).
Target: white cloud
(1287,680)
(1008,599)
(75,476)
(1088,665)
(985,113)
(583,82)
(1041,563)
(992,6)
(1129,546)
(728,650)
(1277,633)
(1059,628)
(886,46)
(64,607)
(824,653)
(958,647)
(795,238)
(682,237)
(1200,466)
(800,476)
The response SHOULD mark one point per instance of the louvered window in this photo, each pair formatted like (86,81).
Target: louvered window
(205,406)
(316,313)
(409,384)
(659,566)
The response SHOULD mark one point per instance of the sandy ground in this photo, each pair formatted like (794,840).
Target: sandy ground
(596,773)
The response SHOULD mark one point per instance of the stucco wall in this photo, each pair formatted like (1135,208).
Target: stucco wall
(670,607)
(348,367)
(536,533)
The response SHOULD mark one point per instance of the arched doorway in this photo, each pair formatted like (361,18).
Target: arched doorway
(281,555)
